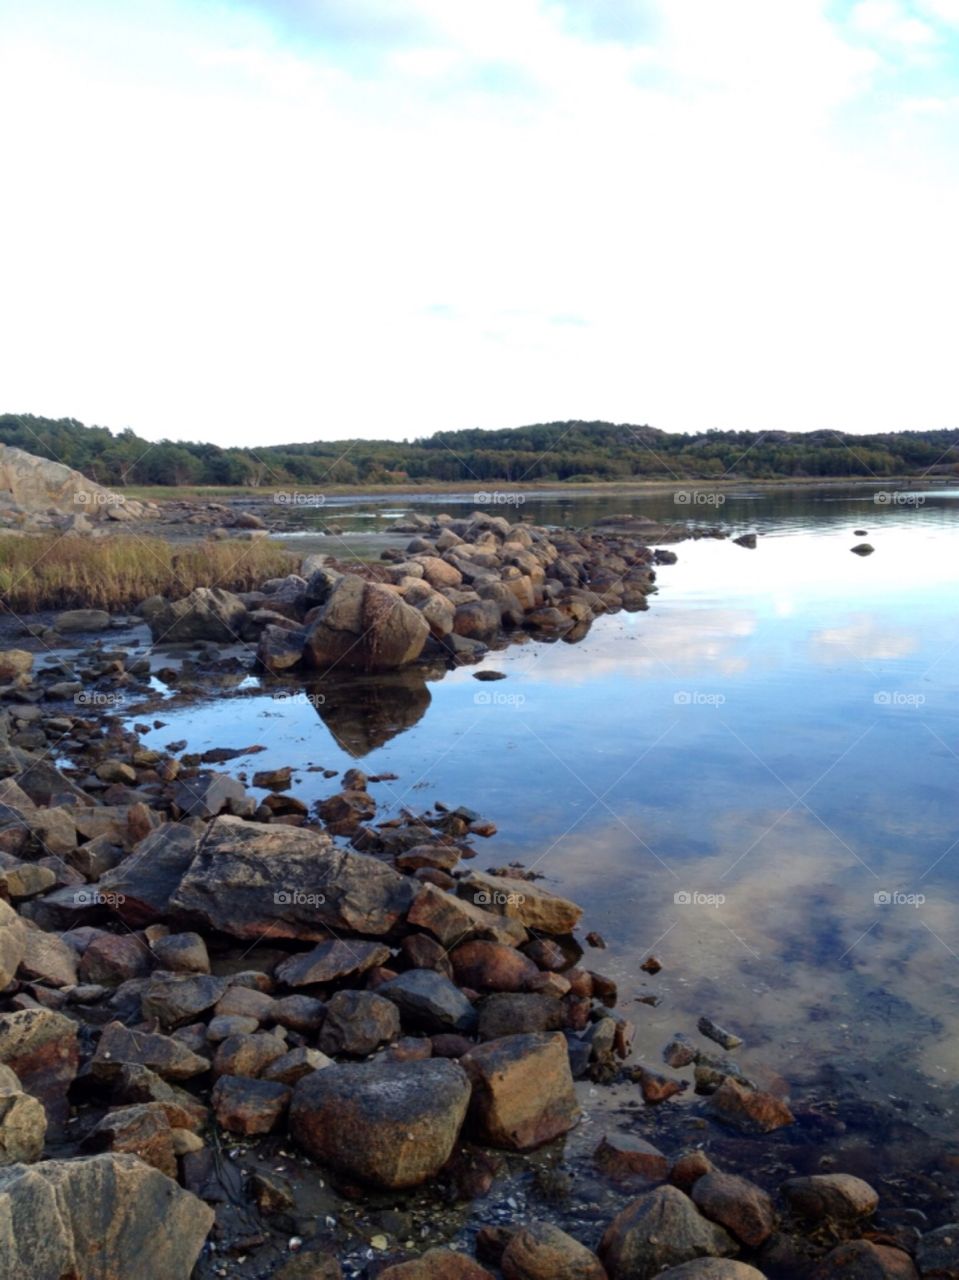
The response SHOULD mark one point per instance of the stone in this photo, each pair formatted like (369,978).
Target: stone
(209,794)
(249,1106)
(521,900)
(175,999)
(331,961)
(144,882)
(207,613)
(27,879)
(363,625)
(938,1253)
(680,1052)
(81,620)
(40,1047)
(523,1094)
(250,879)
(247,1055)
(298,1013)
(182,953)
(393,1125)
(168,1057)
(245,1002)
(47,958)
(442,856)
(688,1168)
(621,1155)
(743,1208)
(839,1197)
(142,1130)
(492,966)
(224,1025)
(455,920)
(357,1023)
(23,1122)
(14,663)
(722,1037)
(508,1014)
(113,958)
(103,1217)
(293,1065)
(13,943)
(541,1251)
(437,1264)
(428,1001)
(135,1084)
(712,1269)
(279,648)
(749,1109)
(661,1229)
(863,1260)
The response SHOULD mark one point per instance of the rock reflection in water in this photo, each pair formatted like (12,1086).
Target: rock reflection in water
(364,712)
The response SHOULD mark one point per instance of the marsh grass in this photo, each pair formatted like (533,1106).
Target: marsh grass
(120,571)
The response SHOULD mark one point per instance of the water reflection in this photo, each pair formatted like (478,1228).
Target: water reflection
(362,713)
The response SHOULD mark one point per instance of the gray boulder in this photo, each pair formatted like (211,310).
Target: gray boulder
(363,625)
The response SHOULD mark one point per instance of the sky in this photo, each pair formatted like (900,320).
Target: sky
(261,221)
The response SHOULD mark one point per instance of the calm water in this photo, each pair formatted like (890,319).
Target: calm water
(756,779)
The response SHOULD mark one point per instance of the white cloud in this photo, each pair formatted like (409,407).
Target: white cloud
(890,21)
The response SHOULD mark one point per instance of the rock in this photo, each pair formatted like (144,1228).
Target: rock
(722,1037)
(621,1156)
(117,771)
(175,999)
(13,943)
(420,951)
(136,1084)
(541,1251)
(744,1209)
(863,549)
(14,663)
(294,1065)
(23,1122)
(509,1013)
(330,961)
(168,1057)
(245,1002)
(454,920)
(863,1260)
(680,1052)
(279,648)
(712,1269)
(49,959)
(688,1168)
(104,1217)
(27,879)
(521,900)
(113,958)
(249,1106)
(523,1092)
(749,1109)
(209,794)
(428,1001)
(310,1264)
(442,856)
(357,1023)
(142,1130)
(839,1197)
(207,613)
(40,1047)
(182,953)
(144,882)
(393,1124)
(437,1264)
(661,1229)
(82,620)
(492,966)
(363,625)
(246,1054)
(657,1088)
(224,1025)
(938,1253)
(249,879)
(746,540)
(298,1013)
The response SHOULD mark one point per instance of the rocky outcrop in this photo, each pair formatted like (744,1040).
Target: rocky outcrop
(32,485)
(208,613)
(364,626)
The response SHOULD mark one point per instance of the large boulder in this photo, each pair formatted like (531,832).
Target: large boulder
(392,1124)
(13,943)
(521,900)
(250,879)
(23,1122)
(38,485)
(40,1046)
(659,1230)
(141,886)
(523,1092)
(541,1251)
(366,626)
(839,1197)
(207,613)
(428,1001)
(105,1217)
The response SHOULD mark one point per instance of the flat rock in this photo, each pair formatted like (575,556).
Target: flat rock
(144,882)
(167,1056)
(521,900)
(622,1155)
(428,1001)
(523,1092)
(330,961)
(863,1260)
(454,920)
(249,1106)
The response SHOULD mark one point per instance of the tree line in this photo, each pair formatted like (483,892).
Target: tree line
(545,453)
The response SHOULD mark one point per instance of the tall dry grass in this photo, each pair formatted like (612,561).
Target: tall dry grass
(119,571)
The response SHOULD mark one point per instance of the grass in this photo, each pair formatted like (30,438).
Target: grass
(117,573)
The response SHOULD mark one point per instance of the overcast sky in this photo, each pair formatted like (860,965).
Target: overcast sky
(253,221)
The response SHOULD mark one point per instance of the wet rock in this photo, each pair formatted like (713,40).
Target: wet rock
(863,1260)
(541,1251)
(182,953)
(141,1130)
(364,625)
(680,1052)
(393,1124)
(657,1088)
(507,1014)
(938,1253)
(13,943)
(744,1209)
(113,958)
(23,1122)
(357,1022)
(40,1047)
(749,1109)
(279,648)
(208,613)
(621,1156)
(714,1032)
(863,549)
(442,856)
(428,1001)
(523,1092)
(246,1106)
(747,540)
(330,961)
(712,1269)
(209,794)
(168,1057)
(437,1264)
(81,620)
(104,1217)
(249,879)
(491,966)
(522,900)
(839,1197)
(661,1229)
(688,1168)
(455,920)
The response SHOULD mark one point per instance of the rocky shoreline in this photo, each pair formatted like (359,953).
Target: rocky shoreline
(241,1037)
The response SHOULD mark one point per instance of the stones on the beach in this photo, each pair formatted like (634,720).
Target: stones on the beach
(23,1122)
(937,1254)
(657,1088)
(357,1023)
(40,1047)
(523,1092)
(390,1124)
(454,920)
(81,620)
(174,999)
(332,960)
(247,1054)
(293,1065)
(364,625)
(207,613)
(621,1155)
(247,1106)
(518,1013)
(435,1264)
(680,1052)
(141,886)
(743,1208)
(863,549)
(15,664)
(13,943)
(659,1230)
(712,1269)
(141,1129)
(864,1260)
(47,958)
(721,1036)
(838,1197)
(751,1110)
(105,1216)
(688,1168)
(112,958)
(429,1002)
(541,1251)
(182,953)
(492,966)
(521,900)
(168,1057)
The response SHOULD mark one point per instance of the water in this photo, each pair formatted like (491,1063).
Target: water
(756,780)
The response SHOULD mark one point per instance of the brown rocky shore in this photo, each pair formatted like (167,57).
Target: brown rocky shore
(241,1038)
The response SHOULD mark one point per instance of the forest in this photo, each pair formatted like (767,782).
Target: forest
(548,452)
